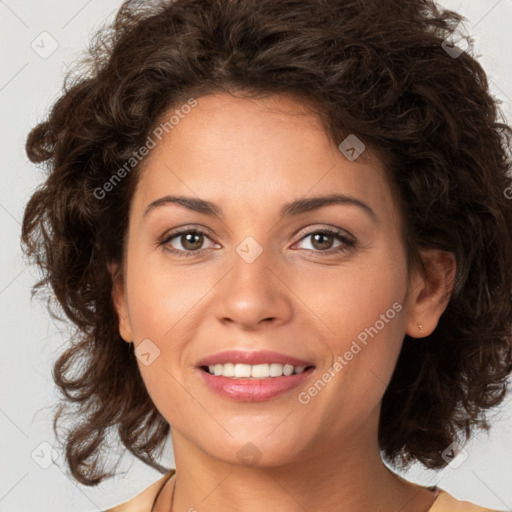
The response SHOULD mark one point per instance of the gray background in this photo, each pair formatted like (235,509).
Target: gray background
(30,81)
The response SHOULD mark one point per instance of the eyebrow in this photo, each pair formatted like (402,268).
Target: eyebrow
(288,210)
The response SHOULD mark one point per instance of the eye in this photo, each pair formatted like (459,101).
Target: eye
(323,240)
(187,242)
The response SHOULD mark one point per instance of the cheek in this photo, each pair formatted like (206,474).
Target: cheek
(364,295)
(164,306)
(363,308)
(161,297)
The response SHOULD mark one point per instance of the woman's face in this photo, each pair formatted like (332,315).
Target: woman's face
(255,279)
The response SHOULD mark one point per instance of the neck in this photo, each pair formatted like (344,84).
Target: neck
(346,475)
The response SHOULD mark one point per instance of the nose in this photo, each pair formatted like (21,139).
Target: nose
(253,294)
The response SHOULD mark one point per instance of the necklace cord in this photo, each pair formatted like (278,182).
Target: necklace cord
(161,489)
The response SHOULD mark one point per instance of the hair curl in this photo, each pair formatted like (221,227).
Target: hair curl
(376,69)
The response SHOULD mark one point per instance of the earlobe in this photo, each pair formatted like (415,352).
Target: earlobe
(119,300)
(431,293)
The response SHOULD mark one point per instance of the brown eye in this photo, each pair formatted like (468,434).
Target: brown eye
(328,241)
(322,241)
(191,241)
(187,242)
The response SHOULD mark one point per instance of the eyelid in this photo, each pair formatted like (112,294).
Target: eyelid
(177,232)
(325,228)
(347,241)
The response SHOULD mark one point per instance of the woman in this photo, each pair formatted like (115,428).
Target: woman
(283,233)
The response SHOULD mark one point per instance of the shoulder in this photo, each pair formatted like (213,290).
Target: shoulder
(447,503)
(144,500)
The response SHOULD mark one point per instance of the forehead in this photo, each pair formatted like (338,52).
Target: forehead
(252,152)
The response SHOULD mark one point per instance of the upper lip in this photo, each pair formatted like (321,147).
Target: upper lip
(252,358)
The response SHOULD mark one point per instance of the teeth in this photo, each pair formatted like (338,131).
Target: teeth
(257,371)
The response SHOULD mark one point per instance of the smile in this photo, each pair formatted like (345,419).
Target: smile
(257,371)
(254,389)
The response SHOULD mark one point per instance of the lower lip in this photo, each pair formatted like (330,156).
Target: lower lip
(254,390)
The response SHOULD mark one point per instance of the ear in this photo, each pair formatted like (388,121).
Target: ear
(430,294)
(119,300)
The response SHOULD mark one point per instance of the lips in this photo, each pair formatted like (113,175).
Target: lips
(254,390)
(252,358)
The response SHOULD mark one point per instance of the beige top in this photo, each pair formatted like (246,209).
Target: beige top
(144,501)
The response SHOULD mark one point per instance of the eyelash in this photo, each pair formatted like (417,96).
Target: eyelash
(348,242)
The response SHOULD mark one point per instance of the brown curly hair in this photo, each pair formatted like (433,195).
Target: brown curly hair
(375,69)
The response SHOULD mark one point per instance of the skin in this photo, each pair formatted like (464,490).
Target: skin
(250,157)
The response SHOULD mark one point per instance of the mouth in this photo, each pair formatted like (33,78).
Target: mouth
(252,376)
(254,372)
(243,388)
